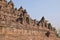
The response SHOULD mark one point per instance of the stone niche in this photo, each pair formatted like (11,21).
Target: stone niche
(20,20)
(27,20)
(0,6)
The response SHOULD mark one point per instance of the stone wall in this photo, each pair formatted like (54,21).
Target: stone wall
(8,33)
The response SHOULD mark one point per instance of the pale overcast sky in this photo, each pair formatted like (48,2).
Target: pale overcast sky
(38,8)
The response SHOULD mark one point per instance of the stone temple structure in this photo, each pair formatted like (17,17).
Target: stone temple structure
(16,24)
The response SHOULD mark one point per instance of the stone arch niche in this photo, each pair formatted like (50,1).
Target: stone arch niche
(47,33)
(20,20)
(0,6)
(49,26)
(0,0)
(27,20)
